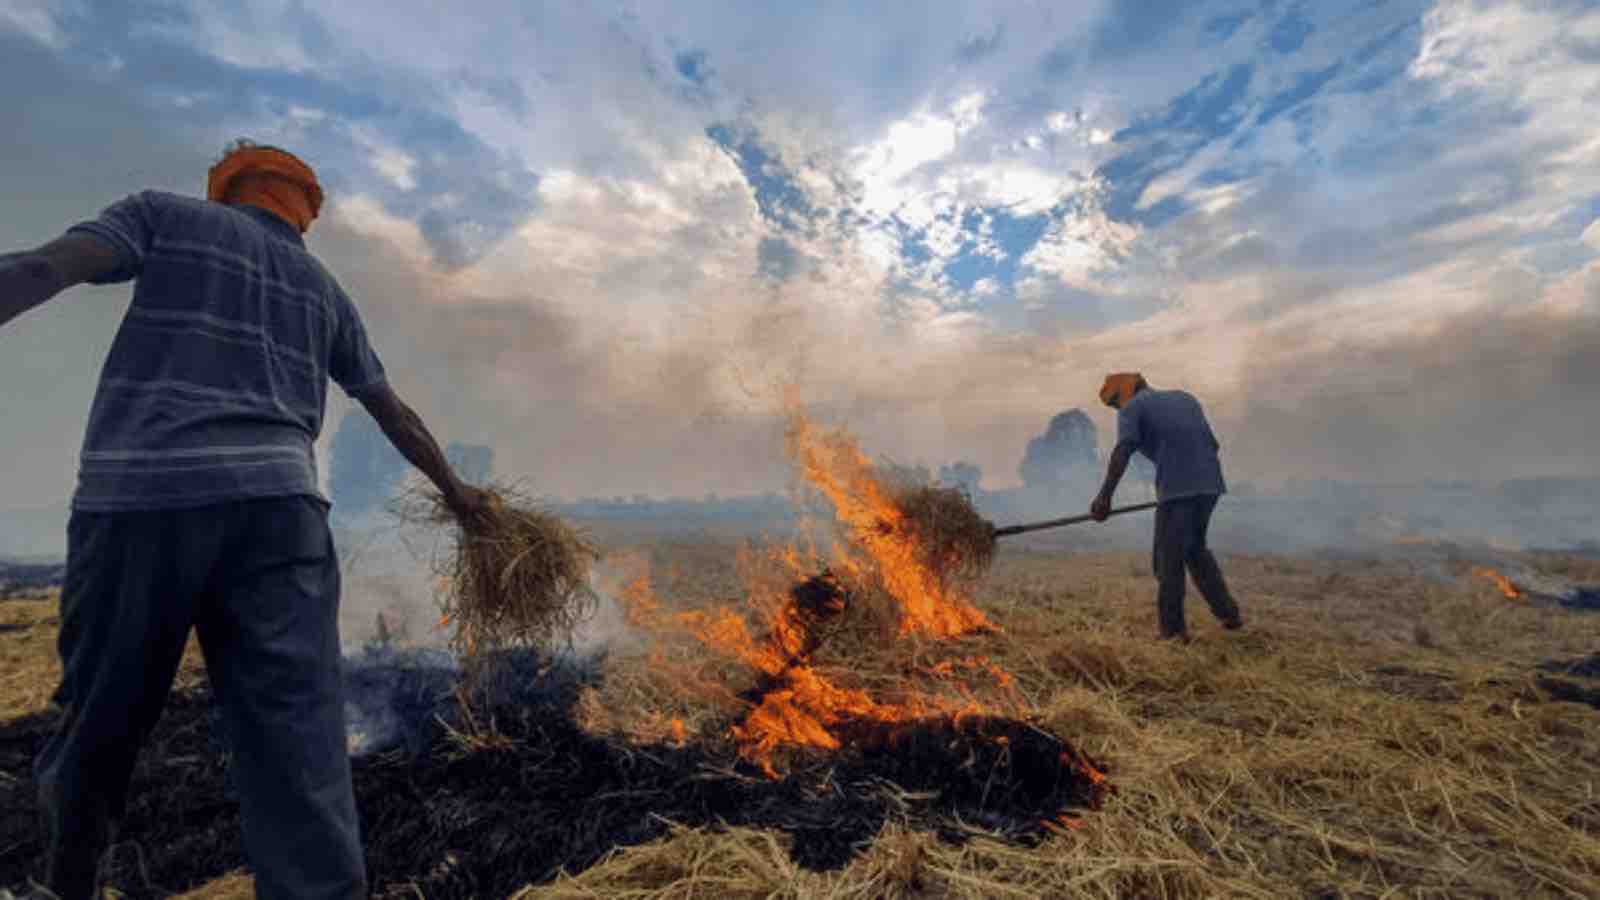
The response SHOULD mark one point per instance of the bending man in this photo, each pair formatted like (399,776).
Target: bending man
(1170,428)
(197,506)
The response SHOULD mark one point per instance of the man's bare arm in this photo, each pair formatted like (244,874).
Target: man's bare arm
(405,429)
(26,280)
(32,277)
(1115,468)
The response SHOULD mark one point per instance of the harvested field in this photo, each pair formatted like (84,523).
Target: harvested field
(1373,732)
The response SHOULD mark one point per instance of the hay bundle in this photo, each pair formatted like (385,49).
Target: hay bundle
(518,574)
(951,539)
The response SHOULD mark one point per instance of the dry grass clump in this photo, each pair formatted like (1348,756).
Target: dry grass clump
(952,540)
(739,863)
(518,576)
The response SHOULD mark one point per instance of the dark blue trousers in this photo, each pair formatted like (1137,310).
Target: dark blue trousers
(1180,546)
(258,580)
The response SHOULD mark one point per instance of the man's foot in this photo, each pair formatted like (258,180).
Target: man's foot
(1181,637)
(1233,624)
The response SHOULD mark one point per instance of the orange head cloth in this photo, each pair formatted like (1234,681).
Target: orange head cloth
(290,192)
(1120,388)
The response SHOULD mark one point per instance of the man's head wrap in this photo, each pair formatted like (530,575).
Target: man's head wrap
(1120,388)
(289,188)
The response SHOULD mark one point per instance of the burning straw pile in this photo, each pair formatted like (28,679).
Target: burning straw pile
(518,575)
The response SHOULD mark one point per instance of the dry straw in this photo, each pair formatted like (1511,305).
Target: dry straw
(951,539)
(518,576)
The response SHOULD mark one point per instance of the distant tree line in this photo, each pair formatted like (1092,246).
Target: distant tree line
(1058,466)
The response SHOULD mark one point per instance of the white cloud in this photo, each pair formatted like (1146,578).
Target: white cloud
(1025,188)
(1082,250)
(884,166)
(1178,180)
(367,217)
(35,19)
(1517,53)
(397,167)
(1591,235)
(240,35)
(1575,295)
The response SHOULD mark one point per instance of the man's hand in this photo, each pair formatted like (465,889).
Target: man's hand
(469,503)
(404,428)
(1100,509)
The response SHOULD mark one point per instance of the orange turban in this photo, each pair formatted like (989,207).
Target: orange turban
(297,202)
(1120,388)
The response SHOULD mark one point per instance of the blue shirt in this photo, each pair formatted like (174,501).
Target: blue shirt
(216,384)
(1171,429)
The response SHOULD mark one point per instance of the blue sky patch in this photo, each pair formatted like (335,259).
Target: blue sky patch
(914,248)
(979,47)
(1220,28)
(778,195)
(1013,236)
(1134,26)
(1290,34)
(1210,108)
(691,64)
(1305,87)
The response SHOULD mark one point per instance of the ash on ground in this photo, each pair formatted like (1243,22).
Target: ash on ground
(458,819)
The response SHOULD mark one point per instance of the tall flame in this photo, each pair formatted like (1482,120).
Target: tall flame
(1511,591)
(794,704)
(878,543)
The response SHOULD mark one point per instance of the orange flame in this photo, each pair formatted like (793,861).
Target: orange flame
(1511,591)
(948,669)
(796,705)
(834,464)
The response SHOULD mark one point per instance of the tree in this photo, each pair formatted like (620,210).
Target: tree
(962,474)
(1062,455)
(365,469)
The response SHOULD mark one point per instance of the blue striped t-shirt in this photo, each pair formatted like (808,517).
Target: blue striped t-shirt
(215,386)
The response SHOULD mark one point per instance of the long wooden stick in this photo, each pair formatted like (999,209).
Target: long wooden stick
(1070,520)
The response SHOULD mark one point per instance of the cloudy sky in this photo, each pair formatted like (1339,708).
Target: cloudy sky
(599,237)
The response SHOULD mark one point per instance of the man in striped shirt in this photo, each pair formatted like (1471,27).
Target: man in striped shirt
(198,506)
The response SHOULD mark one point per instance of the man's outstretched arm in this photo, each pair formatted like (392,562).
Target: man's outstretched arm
(408,434)
(30,278)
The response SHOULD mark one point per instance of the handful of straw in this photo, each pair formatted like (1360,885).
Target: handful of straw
(518,575)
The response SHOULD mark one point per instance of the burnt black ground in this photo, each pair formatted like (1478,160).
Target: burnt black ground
(1586,598)
(1581,684)
(482,823)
